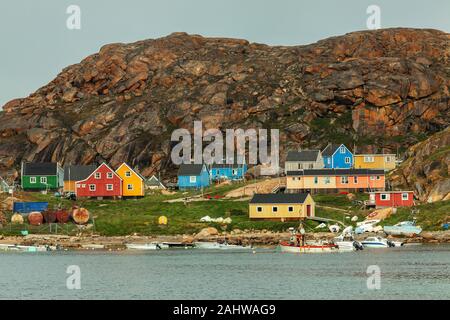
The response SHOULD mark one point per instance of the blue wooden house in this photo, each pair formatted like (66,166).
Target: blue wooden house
(337,156)
(228,171)
(193,176)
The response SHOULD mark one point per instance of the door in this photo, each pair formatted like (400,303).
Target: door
(308,210)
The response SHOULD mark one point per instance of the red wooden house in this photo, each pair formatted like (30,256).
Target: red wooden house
(383,199)
(103,182)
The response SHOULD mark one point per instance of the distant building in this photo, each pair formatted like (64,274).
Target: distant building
(132,182)
(305,159)
(337,156)
(42,176)
(103,182)
(4,186)
(74,173)
(281,206)
(226,171)
(386,162)
(335,180)
(394,199)
(193,176)
(153,183)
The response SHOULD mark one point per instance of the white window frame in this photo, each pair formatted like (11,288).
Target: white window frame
(193,179)
(259,209)
(43,180)
(109,187)
(348,160)
(98,175)
(83,186)
(275,209)
(92,187)
(403,196)
(369,159)
(78,186)
(342,149)
(372,177)
(378,178)
(386,196)
(33,180)
(109,175)
(130,185)
(127,174)
(388,159)
(344,179)
(290,209)
(327,180)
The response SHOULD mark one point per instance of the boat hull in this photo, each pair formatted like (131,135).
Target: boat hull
(402,231)
(285,247)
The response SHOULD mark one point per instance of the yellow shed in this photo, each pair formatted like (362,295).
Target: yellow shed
(375,161)
(282,206)
(132,182)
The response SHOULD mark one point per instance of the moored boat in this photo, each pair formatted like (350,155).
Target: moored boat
(346,242)
(145,246)
(220,246)
(377,242)
(308,248)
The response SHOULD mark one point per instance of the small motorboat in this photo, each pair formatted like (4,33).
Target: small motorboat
(377,242)
(404,228)
(346,241)
(145,246)
(219,246)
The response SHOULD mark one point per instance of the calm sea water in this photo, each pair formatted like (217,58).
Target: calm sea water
(420,272)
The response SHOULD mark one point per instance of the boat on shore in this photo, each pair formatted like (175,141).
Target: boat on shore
(22,248)
(404,228)
(346,242)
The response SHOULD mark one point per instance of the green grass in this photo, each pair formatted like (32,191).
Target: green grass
(140,216)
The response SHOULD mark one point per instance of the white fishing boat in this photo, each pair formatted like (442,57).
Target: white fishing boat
(346,242)
(145,246)
(307,248)
(377,242)
(21,248)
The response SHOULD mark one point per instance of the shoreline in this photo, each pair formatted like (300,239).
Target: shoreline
(257,239)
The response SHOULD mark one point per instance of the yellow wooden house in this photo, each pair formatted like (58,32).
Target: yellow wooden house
(132,182)
(386,162)
(282,206)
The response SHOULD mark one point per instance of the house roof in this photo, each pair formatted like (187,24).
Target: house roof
(335,172)
(304,155)
(78,172)
(330,149)
(43,169)
(153,181)
(374,154)
(131,169)
(190,169)
(392,191)
(279,198)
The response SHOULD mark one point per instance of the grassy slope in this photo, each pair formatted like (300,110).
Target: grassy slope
(124,217)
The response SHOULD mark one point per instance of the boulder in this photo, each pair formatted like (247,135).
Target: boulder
(206,233)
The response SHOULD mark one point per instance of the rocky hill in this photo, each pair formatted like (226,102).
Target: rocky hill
(376,90)
(427,169)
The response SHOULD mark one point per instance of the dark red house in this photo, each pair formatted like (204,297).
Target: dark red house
(383,199)
(103,182)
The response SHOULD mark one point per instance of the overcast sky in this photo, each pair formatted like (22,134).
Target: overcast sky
(36,44)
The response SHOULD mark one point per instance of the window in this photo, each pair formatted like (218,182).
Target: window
(329,160)
(355,179)
(311,166)
(327,180)
(385,196)
(347,160)
(44,180)
(32,179)
(109,175)
(192,179)
(378,177)
(274,209)
(316,180)
(342,149)
(388,159)
(405,196)
(130,187)
(83,186)
(109,187)
(234,172)
(78,186)
(98,175)
(290,209)
(259,209)
(372,177)
(344,180)
(92,187)
(127,174)
(368,159)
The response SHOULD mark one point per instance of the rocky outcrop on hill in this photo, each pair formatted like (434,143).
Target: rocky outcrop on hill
(427,169)
(381,89)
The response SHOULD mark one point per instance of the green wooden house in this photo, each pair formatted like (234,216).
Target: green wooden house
(42,176)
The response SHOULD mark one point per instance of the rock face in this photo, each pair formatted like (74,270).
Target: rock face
(427,170)
(384,88)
